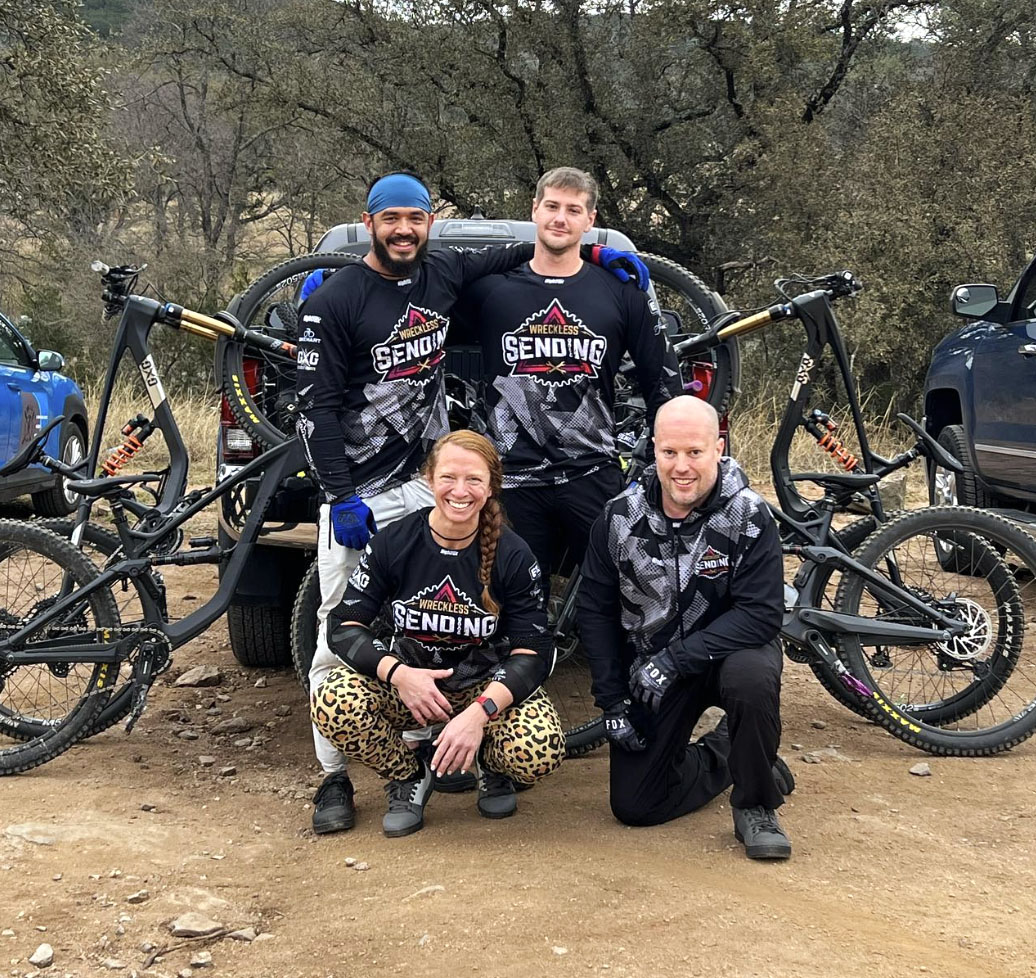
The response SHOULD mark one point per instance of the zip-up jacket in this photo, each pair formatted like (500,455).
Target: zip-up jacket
(704,586)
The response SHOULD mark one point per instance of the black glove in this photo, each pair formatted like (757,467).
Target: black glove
(649,683)
(619,729)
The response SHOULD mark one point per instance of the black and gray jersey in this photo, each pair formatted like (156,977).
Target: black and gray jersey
(551,349)
(709,584)
(370,367)
(438,616)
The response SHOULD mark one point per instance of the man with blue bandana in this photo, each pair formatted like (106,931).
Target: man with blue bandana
(372,401)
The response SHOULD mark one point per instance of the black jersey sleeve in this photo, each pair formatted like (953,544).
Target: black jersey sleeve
(518,589)
(600,628)
(321,375)
(369,586)
(757,605)
(473,263)
(658,370)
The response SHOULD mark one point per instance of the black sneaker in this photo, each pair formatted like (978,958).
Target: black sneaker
(495,793)
(761,833)
(406,801)
(782,777)
(334,811)
(456,783)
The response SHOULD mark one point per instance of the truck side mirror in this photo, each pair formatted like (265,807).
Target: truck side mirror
(974,301)
(49,360)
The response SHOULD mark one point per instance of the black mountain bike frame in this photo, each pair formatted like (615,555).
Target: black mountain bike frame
(171,510)
(806,525)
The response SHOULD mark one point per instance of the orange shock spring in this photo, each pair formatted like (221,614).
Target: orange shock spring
(837,450)
(134,433)
(822,428)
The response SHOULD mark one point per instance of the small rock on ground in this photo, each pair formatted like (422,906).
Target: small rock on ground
(194,924)
(246,934)
(233,725)
(42,957)
(203,959)
(922,770)
(205,675)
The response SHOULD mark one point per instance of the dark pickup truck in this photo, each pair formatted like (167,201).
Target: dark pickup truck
(980,398)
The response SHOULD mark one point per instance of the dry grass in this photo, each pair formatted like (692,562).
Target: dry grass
(197,416)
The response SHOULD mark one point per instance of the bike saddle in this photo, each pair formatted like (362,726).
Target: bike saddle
(110,485)
(835,481)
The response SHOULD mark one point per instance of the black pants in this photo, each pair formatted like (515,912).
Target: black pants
(555,521)
(672,777)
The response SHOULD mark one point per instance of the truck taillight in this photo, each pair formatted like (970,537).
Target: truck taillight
(237,444)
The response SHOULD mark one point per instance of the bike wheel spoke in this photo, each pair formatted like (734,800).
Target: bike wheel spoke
(979,685)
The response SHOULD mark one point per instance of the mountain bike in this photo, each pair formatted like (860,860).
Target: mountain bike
(915,620)
(64,649)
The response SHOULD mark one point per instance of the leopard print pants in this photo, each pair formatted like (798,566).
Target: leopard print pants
(364,719)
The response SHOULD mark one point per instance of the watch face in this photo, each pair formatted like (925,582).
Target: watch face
(488,705)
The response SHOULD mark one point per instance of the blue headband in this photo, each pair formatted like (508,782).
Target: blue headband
(398,190)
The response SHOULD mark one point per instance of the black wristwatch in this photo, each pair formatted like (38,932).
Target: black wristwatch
(488,705)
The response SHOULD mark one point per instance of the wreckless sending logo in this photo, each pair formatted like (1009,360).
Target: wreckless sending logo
(414,348)
(554,347)
(443,614)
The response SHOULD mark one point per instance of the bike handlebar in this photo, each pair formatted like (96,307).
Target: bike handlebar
(118,284)
(837,285)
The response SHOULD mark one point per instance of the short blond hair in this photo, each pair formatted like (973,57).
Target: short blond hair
(569,178)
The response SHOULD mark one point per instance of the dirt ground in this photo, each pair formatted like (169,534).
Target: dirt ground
(892,874)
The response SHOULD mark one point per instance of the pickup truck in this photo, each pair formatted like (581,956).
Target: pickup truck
(980,398)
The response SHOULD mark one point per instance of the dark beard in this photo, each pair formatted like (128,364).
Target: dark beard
(404,269)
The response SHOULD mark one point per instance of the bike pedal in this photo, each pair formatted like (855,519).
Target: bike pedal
(196,542)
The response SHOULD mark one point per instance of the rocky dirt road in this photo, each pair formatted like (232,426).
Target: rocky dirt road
(893,874)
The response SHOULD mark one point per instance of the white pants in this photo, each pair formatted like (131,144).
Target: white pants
(335,566)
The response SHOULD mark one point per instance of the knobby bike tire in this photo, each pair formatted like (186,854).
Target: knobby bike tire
(100,544)
(977,695)
(34,564)
(700,306)
(96,540)
(104,543)
(271,296)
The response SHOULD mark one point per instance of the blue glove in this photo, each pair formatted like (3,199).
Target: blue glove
(313,281)
(651,681)
(624,265)
(619,729)
(352,522)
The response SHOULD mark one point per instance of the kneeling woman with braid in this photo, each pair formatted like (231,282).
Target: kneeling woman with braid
(470,647)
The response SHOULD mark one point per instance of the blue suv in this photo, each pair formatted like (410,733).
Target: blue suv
(32,392)
(980,398)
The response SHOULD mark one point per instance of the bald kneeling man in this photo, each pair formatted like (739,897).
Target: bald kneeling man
(679,609)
